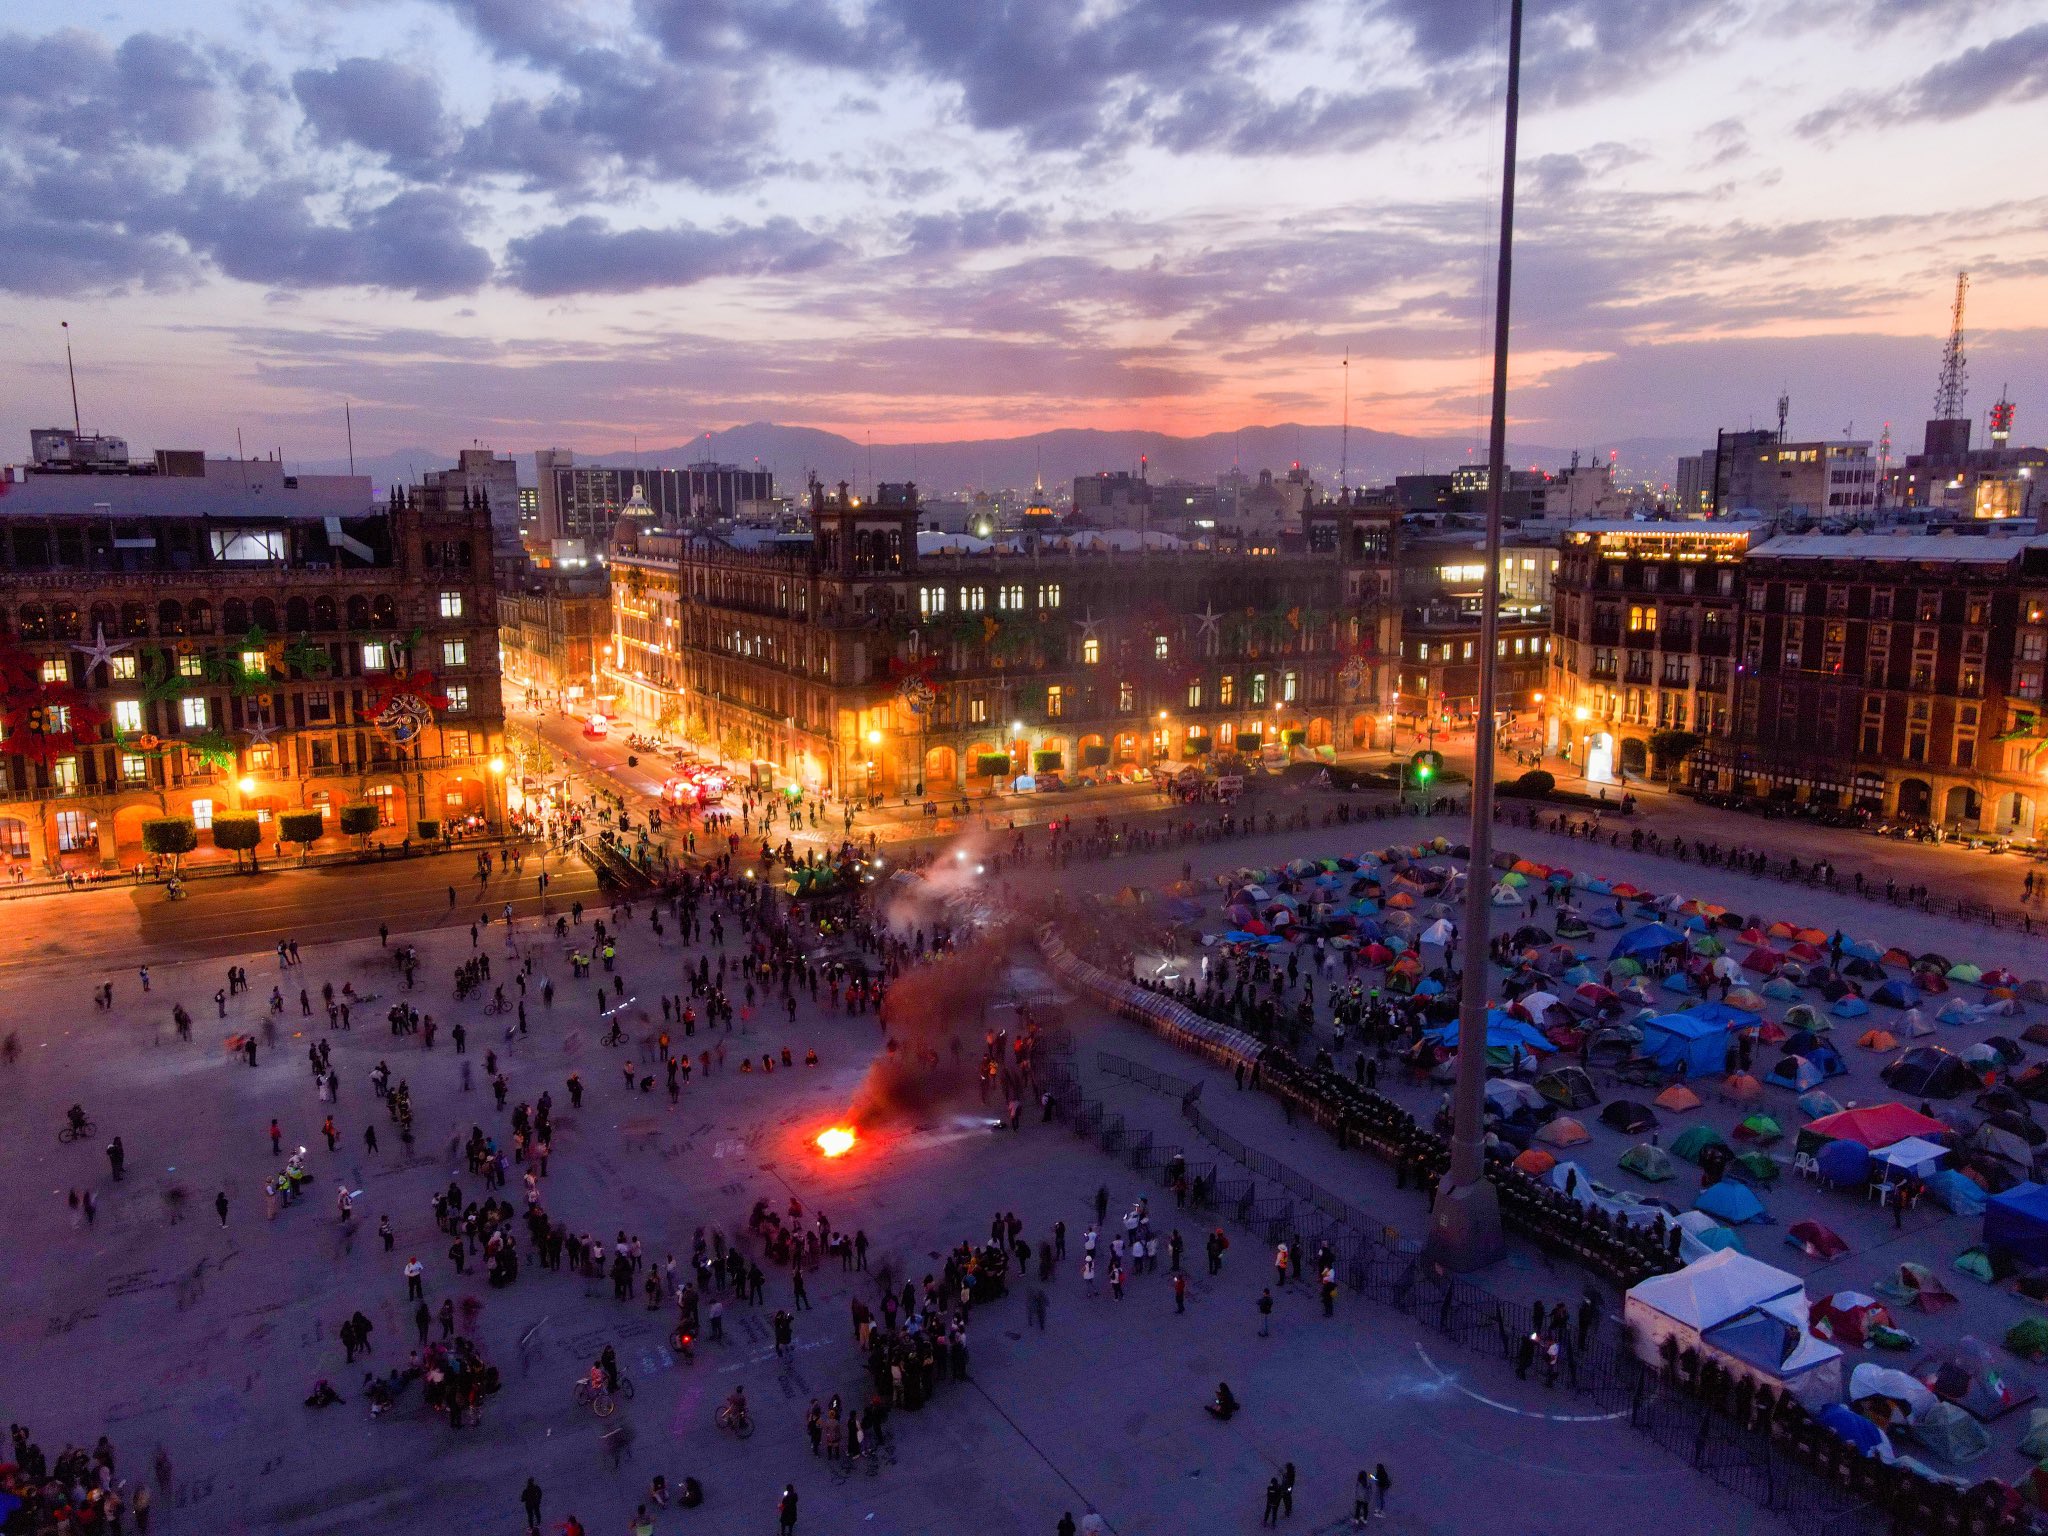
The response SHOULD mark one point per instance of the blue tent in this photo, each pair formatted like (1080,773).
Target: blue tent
(1845,1421)
(1651,939)
(1503,1032)
(1731,1202)
(1678,981)
(2016,1223)
(1724,1015)
(1849,1006)
(1957,1192)
(1828,1059)
(1843,1162)
(1796,1073)
(1896,994)
(1698,1044)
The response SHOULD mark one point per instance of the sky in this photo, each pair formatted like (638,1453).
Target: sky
(586,223)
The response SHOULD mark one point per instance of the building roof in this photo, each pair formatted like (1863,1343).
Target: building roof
(239,488)
(1987,549)
(1675,527)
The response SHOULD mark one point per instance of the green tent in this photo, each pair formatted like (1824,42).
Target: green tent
(1648,1162)
(1754,1168)
(1759,1128)
(2028,1338)
(1694,1140)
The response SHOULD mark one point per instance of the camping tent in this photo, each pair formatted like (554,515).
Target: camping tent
(1843,1163)
(1971,1377)
(1815,1240)
(1628,1117)
(1731,1202)
(1650,939)
(1951,1434)
(1865,1437)
(1568,1088)
(1678,1098)
(1693,1141)
(1751,1317)
(1848,1317)
(2016,1224)
(1647,1162)
(1564,1131)
(1696,1038)
(1796,1073)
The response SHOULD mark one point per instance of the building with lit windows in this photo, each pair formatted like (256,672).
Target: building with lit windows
(1644,620)
(208,635)
(864,656)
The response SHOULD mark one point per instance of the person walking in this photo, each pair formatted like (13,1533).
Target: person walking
(276,1138)
(1382,1482)
(1265,1312)
(220,1207)
(1361,1498)
(1287,1490)
(786,1509)
(1180,1292)
(529,1500)
(1272,1515)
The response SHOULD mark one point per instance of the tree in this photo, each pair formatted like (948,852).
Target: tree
(1047,762)
(170,837)
(304,828)
(1095,755)
(429,830)
(1672,748)
(237,832)
(992,765)
(359,820)
(1537,781)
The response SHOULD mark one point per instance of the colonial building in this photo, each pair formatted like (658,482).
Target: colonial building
(1644,628)
(1899,673)
(1440,663)
(553,629)
(215,635)
(864,656)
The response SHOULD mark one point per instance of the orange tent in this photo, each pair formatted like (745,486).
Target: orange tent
(1535,1162)
(1742,1088)
(1878,1040)
(1677,1098)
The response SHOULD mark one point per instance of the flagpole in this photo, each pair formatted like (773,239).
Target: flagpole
(1465,1230)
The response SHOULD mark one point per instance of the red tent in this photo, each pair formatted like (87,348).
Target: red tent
(1876,1125)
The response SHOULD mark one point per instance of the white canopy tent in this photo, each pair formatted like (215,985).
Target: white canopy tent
(1751,1317)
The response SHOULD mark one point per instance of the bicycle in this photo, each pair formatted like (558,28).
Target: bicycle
(498,1005)
(599,1400)
(741,1423)
(68,1133)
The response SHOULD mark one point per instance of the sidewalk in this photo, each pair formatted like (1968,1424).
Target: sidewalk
(223,866)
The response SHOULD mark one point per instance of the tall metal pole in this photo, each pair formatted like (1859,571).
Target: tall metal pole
(1465,1230)
(71,372)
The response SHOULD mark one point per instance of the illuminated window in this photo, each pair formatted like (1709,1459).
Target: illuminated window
(255,661)
(192,714)
(1194,695)
(202,814)
(1226,690)
(121,669)
(191,666)
(381,796)
(262,758)
(1091,652)
(128,715)
(973,599)
(1289,681)
(134,768)
(1642,618)
(1055,702)
(375,656)
(56,670)
(451,605)
(977,711)
(1049,595)
(458,698)
(64,775)
(1161,648)
(454,653)
(1258,687)
(1126,700)
(931,601)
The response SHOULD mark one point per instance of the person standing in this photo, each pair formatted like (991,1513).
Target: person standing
(220,1207)
(529,1499)
(1361,1498)
(1180,1292)
(117,1157)
(1382,1482)
(1287,1490)
(1272,1515)
(1265,1312)
(786,1509)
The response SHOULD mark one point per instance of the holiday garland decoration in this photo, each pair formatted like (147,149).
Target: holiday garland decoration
(43,720)
(405,707)
(913,682)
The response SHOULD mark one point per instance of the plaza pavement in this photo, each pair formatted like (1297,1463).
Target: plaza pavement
(163,1329)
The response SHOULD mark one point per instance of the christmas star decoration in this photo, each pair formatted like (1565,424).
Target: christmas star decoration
(262,728)
(1208,619)
(100,652)
(1089,626)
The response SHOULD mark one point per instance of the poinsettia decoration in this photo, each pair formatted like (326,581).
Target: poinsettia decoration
(405,708)
(43,720)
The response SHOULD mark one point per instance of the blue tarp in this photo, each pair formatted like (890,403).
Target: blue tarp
(1698,1037)
(2016,1223)
(1650,939)
(1845,1421)
(1731,1202)
(1503,1032)
(1955,1191)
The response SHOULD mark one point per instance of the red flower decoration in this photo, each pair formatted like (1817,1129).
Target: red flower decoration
(43,720)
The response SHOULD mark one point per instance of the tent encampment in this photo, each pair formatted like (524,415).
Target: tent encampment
(2016,1224)
(1694,1140)
(1648,1162)
(1815,1240)
(1752,1317)
(1731,1202)
(1928,1071)
(1874,1125)
(1849,1317)
(1628,1117)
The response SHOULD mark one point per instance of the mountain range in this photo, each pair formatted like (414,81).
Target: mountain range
(1364,456)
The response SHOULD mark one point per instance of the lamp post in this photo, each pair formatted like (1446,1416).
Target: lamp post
(1465,1228)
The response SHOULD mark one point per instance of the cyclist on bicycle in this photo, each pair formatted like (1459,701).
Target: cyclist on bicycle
(736,1406)
(595,1380)
(608,1367)
(76,1116)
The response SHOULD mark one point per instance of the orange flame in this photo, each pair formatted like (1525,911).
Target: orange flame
(836,1141)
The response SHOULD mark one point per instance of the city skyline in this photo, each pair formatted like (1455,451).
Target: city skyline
(578,224)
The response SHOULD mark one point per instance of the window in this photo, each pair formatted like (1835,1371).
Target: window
(1091,652)
(977,710)
(1795,599)
(192,713)
(1929,608)
(451,605)
(458,698)
(319,704)
(59,717)
(1162,648)
(56,670)
(382,797)
(2033,645)
(1881,603)
(457,743)
(76,830)
(1226,690)
(262,758)
(2027,682)
(1757,594)
(202,814)
(1055,702)
(1011,597)
(1838,599)
(1049,595)
(1125,700)
(64,777)
(376,656)
(973,599)
(1642,618)
(121,669)
(1258,688)
(1290,683)
(1194,695)
(256,662)
(931,601)
(191,666)
(249,544)
(128,715)
(454,653)
(1422,651)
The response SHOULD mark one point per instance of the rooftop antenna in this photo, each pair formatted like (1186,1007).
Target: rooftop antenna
(348,422)
(1344,456)
(77,427)
(871,461)
(1953,385)
(2001,418)
(1784,411)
